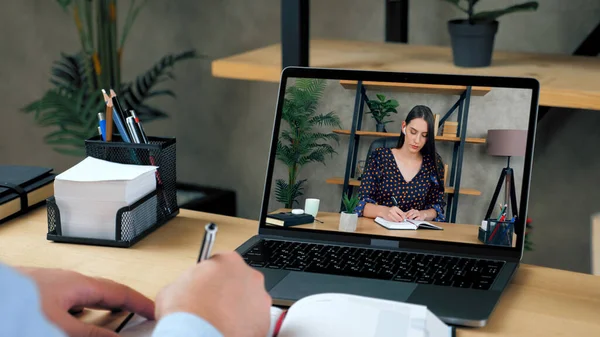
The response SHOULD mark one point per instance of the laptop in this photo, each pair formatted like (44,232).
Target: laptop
(337,133)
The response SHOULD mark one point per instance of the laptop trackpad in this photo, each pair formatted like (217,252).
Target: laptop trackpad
(297,285)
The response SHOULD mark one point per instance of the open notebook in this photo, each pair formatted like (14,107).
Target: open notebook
(406,224)
(341,315)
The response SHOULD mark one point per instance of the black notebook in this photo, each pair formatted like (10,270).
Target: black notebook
(289,219)
(22,188)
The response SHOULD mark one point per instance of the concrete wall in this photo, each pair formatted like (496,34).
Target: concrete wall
(220,123)
(501,108)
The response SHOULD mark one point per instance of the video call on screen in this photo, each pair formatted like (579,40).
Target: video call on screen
(332,129)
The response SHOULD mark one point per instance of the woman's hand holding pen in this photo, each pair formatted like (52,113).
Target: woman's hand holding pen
(394,213)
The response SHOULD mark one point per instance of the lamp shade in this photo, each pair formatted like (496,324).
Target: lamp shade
(506,143)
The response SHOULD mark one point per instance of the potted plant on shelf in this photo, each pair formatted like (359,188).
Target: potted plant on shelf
(349,217)
(380,109)
(473,38)
(300,144)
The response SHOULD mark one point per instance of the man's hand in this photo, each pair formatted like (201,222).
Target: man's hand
(62,291)
(224,291)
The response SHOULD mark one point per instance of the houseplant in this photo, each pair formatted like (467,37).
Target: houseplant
(300,143)
(349,216)
(473,38)
(380,109)
(71,105)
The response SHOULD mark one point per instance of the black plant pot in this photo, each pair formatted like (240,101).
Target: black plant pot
(380,127)
(472,45)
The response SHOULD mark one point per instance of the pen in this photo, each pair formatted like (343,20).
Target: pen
(395,201)
(132,130)
(140,128)
(102,125)
(210,231)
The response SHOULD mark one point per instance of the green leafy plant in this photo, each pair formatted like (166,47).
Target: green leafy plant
(350,202)
(72,104)
(381,108)
(487,16)
(301,144)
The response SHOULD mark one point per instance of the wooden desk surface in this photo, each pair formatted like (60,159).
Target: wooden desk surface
(566,81)
(539,302)
(452,232)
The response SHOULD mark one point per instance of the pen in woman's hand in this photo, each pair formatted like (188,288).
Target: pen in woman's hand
(395,201)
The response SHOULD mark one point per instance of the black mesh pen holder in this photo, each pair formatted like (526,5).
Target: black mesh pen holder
(132,223)
(159,152)
(160,205)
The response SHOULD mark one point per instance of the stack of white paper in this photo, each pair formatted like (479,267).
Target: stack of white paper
(89,194)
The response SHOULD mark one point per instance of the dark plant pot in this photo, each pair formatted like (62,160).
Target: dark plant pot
(380,127)
(472,45)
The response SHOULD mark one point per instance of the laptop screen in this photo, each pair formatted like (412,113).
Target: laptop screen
(400,156)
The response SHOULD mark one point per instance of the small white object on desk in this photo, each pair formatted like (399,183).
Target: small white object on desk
(89,194)
(297,211)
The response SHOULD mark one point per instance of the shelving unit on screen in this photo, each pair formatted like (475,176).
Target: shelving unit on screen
(460,107)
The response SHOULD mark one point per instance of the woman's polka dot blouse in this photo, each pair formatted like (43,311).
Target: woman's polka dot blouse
(382,179)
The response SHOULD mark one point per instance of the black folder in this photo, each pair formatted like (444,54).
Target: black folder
(22,188)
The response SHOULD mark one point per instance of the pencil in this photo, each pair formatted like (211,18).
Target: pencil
(109,123)
(109,116)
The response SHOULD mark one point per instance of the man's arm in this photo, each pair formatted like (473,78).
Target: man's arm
(20,308)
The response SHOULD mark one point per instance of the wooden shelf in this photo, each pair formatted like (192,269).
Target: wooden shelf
(354,182)
(389,134)
(565,80)
(417,88)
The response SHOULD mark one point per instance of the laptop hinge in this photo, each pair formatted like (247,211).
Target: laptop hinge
(384,243)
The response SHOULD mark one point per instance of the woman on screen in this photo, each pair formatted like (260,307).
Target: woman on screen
(405,182)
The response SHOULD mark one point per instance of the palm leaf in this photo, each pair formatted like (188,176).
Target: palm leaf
(73,115)
(72,72)
(64,3)
(329,119)
(136,93)
(287,194)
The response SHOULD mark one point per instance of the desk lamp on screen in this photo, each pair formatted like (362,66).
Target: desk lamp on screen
(506,143)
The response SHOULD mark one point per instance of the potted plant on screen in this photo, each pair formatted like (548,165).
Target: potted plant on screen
(302,142)
(380,109)
(349,216)
(473,37)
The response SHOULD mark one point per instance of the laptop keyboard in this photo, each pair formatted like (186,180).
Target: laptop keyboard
(373,263)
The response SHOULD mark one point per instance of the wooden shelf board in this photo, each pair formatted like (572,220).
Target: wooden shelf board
(417,88)
(565,80)
(389,134)
(354,182)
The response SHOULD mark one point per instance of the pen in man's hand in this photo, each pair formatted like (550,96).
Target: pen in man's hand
(210,231)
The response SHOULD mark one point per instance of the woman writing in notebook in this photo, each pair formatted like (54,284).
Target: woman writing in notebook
(405,182)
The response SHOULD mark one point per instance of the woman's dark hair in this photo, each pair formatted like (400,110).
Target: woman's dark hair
(428,150)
